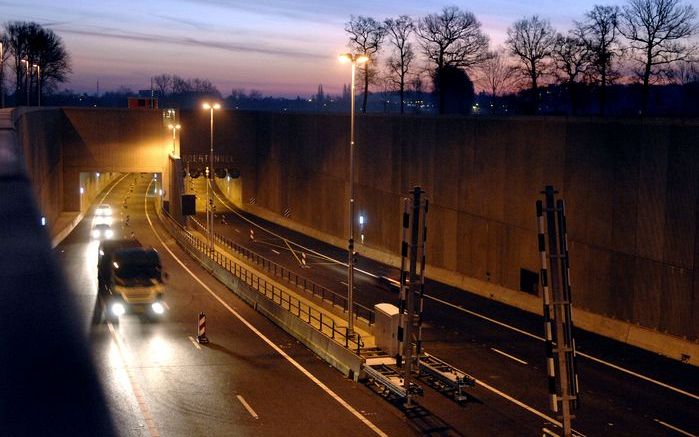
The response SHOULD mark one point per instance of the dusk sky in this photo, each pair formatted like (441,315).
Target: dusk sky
(281,47)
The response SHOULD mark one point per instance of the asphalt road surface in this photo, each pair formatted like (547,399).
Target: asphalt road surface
(625,391)
(252,379)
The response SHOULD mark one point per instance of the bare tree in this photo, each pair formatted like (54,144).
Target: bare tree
(658,33)
(399,31)
(532,41)
(41,47)
(599,31)
(572,60)
(685,72)
(5,57)
(497,74)
(365,36)
(452,38)
(163,83)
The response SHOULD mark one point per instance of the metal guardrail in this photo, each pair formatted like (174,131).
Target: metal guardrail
(306,313)
(291,277)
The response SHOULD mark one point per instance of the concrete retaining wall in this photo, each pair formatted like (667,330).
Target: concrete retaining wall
(631,189)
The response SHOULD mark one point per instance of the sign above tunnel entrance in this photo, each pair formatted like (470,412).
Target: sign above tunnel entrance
(221,160)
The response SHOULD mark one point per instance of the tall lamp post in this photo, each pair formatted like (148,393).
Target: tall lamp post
(26,81)
(2,75)
(355,59)
(174,128)
(209,177)
(38,84)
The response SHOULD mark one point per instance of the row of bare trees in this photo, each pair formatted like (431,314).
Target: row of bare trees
(645,40)
(37,57)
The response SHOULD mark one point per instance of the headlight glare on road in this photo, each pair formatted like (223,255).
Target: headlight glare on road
(157,308)
(118,309)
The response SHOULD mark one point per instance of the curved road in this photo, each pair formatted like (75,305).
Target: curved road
(252,379)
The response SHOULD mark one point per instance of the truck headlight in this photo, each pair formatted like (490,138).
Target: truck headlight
(118,309)
(95,233)
(157,308)
(109,233)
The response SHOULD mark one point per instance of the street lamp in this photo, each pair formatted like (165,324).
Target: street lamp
(38,84)
(210,172)
(26,82)
(174,128)
(2,75)
(354,59)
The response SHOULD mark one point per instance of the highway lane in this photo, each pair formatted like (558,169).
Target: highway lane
(613,401)
(159,382)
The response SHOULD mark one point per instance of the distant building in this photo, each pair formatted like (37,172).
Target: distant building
(142,103)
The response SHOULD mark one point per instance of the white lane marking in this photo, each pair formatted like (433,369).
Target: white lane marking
(237,230)
(167,307)
(248,407)
(275,251)
(344,283)
(674,428)
(269,342)
(522,404)
(582,354)
(194,342)
(135,389)
(508,356)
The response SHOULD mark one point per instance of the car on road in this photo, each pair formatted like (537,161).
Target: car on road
(101,231)
(130,278)
(103,210)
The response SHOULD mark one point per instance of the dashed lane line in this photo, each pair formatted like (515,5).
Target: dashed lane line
(264,338)
(674,428)
(247,407)
(135,389)
(481,316)
(512,357)
(194,342)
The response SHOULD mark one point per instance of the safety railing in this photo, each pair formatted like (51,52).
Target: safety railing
(316,319)
(289,276)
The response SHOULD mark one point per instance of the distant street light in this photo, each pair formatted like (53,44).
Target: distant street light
(174,128)
(38,84)
(2,75)
(355,59)
(210,176)
(26,82)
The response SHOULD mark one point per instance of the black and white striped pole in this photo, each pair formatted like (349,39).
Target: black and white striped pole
(555,280)
(546,295)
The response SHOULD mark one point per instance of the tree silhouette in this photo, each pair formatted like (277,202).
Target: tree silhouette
(398,31)
(365,37)
(657,31)
(452,38)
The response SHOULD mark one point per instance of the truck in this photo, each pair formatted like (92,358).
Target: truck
(130,279)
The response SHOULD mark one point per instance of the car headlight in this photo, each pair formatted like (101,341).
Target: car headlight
(157,308)
(118,309)
(95,233)
(109,233)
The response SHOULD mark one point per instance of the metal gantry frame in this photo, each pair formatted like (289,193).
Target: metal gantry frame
(412,285)
(557,308)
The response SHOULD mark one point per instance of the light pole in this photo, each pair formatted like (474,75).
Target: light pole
(209,177)
(174,128)
(26,82)
(355,59)
(38,84)
(2,75)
